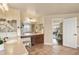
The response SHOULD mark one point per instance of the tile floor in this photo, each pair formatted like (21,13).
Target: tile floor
(52,50)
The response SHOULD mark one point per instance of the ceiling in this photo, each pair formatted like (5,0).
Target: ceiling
(47,8)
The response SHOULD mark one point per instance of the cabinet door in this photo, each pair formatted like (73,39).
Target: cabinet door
(39,39)
(33,40)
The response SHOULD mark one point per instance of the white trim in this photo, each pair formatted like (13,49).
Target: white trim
(47,43)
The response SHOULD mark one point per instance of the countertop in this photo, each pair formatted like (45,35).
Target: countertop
(15,47)
(30,34)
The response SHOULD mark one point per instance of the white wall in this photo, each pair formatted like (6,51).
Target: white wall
(47,30)
(78,31)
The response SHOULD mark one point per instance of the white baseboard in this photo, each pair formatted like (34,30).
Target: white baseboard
(47,43)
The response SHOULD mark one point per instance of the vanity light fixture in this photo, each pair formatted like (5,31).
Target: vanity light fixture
(33,20)
(29,20)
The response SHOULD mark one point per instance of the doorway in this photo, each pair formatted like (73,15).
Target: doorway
(65,31)
(57,26)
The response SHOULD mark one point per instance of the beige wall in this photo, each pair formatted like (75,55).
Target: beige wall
(10,14)
(24,14)
(1,14)
(40,20)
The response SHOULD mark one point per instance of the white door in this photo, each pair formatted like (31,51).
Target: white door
(70,32)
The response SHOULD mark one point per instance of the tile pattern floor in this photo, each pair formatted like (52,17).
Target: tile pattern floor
(52,50)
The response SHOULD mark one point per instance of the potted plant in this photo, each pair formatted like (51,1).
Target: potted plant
(1,45)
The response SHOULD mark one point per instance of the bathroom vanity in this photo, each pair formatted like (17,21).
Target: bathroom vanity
(36,38)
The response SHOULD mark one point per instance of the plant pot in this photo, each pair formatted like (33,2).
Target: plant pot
(1,47)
